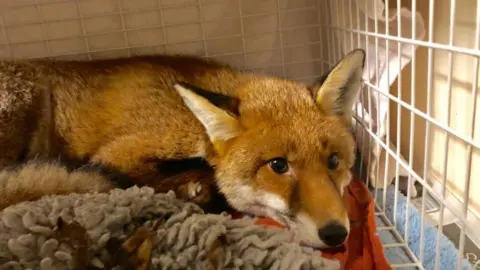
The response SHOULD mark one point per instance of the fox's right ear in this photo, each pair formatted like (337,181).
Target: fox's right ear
(335,92)
(220,125)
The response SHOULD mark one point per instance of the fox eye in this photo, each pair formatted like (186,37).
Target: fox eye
(332,162)
(278,165)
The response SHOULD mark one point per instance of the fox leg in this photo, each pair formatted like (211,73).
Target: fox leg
(131,154)
(139,156)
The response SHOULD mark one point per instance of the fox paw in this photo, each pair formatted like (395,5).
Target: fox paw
(198,192)
(194,189)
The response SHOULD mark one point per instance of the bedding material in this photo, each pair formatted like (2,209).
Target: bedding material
(85,231)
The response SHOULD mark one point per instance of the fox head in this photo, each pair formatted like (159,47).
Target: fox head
(286,152)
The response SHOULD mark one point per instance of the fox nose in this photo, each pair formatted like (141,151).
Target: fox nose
(333,234)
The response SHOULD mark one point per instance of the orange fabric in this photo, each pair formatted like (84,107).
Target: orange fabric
(363,248)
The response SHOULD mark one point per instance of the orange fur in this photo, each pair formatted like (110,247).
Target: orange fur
(130,114)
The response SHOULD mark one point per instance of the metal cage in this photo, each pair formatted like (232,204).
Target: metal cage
(419,97)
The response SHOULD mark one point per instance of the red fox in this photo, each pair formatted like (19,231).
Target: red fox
(277,148)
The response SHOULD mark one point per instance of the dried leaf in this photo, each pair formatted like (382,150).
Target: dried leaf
(77,236)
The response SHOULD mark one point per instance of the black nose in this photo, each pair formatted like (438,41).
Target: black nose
(333,234)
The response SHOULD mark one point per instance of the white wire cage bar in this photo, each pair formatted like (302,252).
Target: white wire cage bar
(423,107)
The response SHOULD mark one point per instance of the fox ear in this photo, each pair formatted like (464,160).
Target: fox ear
(336,91)
(230,104)
(219,124)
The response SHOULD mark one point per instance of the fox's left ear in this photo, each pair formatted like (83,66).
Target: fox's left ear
(220,125)
(336,91)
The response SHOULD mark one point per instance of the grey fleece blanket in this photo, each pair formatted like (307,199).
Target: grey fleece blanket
(35,235)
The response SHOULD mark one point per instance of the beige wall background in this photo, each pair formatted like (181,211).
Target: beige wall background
(279,37)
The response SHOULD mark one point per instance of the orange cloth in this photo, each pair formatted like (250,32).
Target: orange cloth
(363,248)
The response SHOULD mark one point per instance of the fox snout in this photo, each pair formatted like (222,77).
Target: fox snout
(333,234)
(321,217)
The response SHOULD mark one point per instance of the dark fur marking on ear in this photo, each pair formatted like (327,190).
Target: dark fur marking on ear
(343,95)
(224,102)
(313,88)
(340,100)
(319,81)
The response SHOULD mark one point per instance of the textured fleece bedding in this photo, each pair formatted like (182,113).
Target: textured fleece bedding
(30,237)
